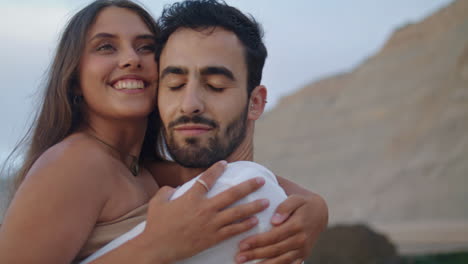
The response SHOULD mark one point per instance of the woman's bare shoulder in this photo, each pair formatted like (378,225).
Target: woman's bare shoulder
(61,198)
(69,178)
(73,165)
(74,149)
(74,155)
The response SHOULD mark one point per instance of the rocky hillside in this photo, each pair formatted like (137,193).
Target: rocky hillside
(388,142)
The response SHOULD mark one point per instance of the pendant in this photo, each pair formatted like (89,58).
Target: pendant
(135,167)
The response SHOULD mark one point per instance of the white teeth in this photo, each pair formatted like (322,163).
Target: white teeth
(129,84)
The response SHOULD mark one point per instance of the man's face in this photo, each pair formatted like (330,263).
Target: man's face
(202,96)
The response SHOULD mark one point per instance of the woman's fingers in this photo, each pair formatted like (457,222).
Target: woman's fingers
(164,194)
(241,212)
(236,228)
(287,258)
(288,249)
(286,208)
(270,237)
(208,178)
(234,194)
(300,229)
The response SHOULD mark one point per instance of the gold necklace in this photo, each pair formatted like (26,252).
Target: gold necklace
(134,165)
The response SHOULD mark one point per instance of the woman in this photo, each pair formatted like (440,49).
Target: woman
(82,170)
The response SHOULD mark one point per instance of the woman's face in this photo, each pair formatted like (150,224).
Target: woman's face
(118,71)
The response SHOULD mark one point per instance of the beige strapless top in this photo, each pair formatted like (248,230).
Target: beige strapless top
(105,232)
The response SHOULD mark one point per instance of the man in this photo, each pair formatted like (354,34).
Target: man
(209,98)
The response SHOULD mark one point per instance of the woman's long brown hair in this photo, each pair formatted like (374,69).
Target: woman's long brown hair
(58,117)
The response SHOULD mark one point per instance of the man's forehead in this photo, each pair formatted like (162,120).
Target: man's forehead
(202,48)
(217,34)
(208,40)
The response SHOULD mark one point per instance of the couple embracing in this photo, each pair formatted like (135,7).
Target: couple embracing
(134,109)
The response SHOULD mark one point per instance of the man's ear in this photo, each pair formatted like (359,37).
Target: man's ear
(257,102)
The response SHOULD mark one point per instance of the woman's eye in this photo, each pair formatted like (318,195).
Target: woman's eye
(105,47)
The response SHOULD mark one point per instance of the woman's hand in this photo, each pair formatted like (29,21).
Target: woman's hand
(183,227)
(297,223)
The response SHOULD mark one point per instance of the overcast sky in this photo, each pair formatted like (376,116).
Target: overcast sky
(306,39)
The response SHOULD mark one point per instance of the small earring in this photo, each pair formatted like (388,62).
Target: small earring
(265,101)
(77,99)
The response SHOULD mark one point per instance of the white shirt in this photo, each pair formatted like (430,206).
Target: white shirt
(234,174)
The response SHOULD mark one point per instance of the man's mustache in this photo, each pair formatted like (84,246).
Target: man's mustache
(194,120)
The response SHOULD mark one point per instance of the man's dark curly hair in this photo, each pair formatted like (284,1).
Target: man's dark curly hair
(203,14)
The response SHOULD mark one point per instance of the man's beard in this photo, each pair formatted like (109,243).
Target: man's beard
(193,155)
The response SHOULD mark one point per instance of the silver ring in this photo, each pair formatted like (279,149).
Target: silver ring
(202,182)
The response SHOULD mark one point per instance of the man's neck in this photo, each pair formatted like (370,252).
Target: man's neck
(243,152)
(186,174)
(172,174)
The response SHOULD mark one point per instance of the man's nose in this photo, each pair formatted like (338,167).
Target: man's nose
(129,58)
(192,101)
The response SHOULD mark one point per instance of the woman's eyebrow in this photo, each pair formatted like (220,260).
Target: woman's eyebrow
(112,36)
(102,35)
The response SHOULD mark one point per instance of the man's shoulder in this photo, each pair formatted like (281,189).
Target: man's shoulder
(244,170)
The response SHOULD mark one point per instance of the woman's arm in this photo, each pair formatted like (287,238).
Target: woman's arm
(298,223)
(292,187)
(191,223)
(53,211)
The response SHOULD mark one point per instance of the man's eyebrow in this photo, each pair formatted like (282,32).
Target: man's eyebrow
(218,70)
(173,70)
(112,36)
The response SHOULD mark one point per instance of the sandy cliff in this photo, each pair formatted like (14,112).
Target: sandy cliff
(388,142)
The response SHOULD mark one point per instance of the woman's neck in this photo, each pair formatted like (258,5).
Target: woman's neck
(126,136)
